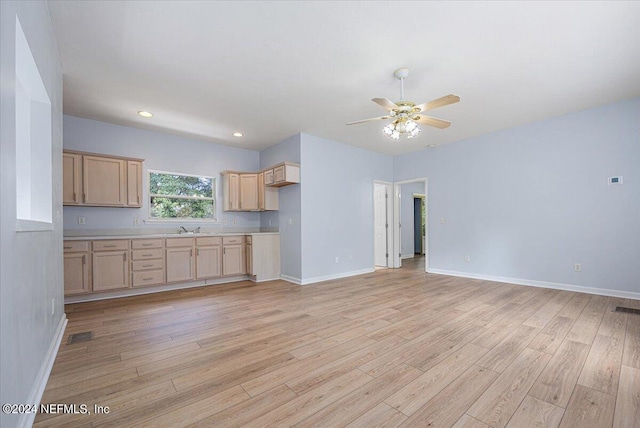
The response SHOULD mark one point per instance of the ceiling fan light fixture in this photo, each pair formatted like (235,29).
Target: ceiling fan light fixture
(388,129)
(414,132)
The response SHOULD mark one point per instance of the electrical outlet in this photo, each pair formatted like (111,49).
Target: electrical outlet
(291,223)
(350,259)
(443,220)
(81,220)
(224,222)
(234,221)
(269,222)
(136,221)
(53,306)
(577,267)
(337,259)
(467,259)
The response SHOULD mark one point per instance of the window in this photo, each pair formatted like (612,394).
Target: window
(181,196)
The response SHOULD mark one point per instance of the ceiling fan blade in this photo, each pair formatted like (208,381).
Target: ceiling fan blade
(368,120)
(432,121)
(440,102)
(386,103)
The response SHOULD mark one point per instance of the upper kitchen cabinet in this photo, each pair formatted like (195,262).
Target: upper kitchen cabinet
(102,181)
(72,178)
(284,174)
(240,191)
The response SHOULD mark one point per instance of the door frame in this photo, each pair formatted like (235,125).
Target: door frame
(389,187)
(397,260)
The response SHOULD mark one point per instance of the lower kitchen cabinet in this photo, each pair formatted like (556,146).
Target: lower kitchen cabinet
(208,257)
(180,263)
(110,270)
(233,256)
(76,273)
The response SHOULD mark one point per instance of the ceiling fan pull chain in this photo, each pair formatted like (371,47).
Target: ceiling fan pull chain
(402,89)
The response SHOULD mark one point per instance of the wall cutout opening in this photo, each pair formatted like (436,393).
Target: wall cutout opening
(33,142)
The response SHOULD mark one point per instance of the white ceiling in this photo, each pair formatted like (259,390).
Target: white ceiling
(273,69)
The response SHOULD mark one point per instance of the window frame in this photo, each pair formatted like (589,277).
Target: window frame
(214,199)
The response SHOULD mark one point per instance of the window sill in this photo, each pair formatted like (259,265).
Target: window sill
(23,225)
(182,220)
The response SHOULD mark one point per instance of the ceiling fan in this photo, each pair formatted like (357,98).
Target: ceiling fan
(406,115)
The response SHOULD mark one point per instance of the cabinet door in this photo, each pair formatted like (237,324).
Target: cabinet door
(278,174)
(268,177)
(110,270)
(250,259)
(248,192)
(231,192)
(103,181)
(208,262)
(76,273)
(180,264)
(134,183)
(261,189)
(233,260)
(71,175)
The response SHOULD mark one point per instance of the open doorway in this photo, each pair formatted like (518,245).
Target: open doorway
(411,225)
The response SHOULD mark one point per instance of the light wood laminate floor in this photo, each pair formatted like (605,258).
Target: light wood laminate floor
(397,347)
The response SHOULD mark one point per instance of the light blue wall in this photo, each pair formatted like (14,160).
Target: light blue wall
(30,262)
(337,206)
(530,202)
(162,152)
(407,245)
(289,208)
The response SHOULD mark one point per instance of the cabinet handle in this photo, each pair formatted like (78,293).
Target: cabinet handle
(224,251)
(75,199)
(147,265)
(84,197)
(147,245)
(84,259)
(147,255)
(109,246)
(147,279)
(125,256)
(67,248)
(191,252)
(197,252)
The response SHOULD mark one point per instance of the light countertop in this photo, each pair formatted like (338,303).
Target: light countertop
(164,235)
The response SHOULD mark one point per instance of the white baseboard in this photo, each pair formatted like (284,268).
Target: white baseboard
(291,279)
(543,284)
(149,290)
(26,420)
(407,256)
(336,276)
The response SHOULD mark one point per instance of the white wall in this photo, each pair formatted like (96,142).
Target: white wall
(162,152)
(30,262)
(531,201)
(337,207)
(289,208)
(407,245)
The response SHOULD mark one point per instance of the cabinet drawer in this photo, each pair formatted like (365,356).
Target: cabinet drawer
(233,240)
(75,246)
(156,253)
(247,239)
(209,241)
(147,264)
(179,242)
(148,277)
(146,243)
(110,245)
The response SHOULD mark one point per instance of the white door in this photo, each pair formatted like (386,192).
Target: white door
(380,224)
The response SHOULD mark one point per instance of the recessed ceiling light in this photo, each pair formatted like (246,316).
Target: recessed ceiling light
(431,146)
(238,134)
(145,114)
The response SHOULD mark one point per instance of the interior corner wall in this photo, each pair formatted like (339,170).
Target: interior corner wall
(530,202)
(288,218)
(30,262)
(337,207)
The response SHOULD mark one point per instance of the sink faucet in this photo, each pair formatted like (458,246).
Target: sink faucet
(196,230)
(185,230)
